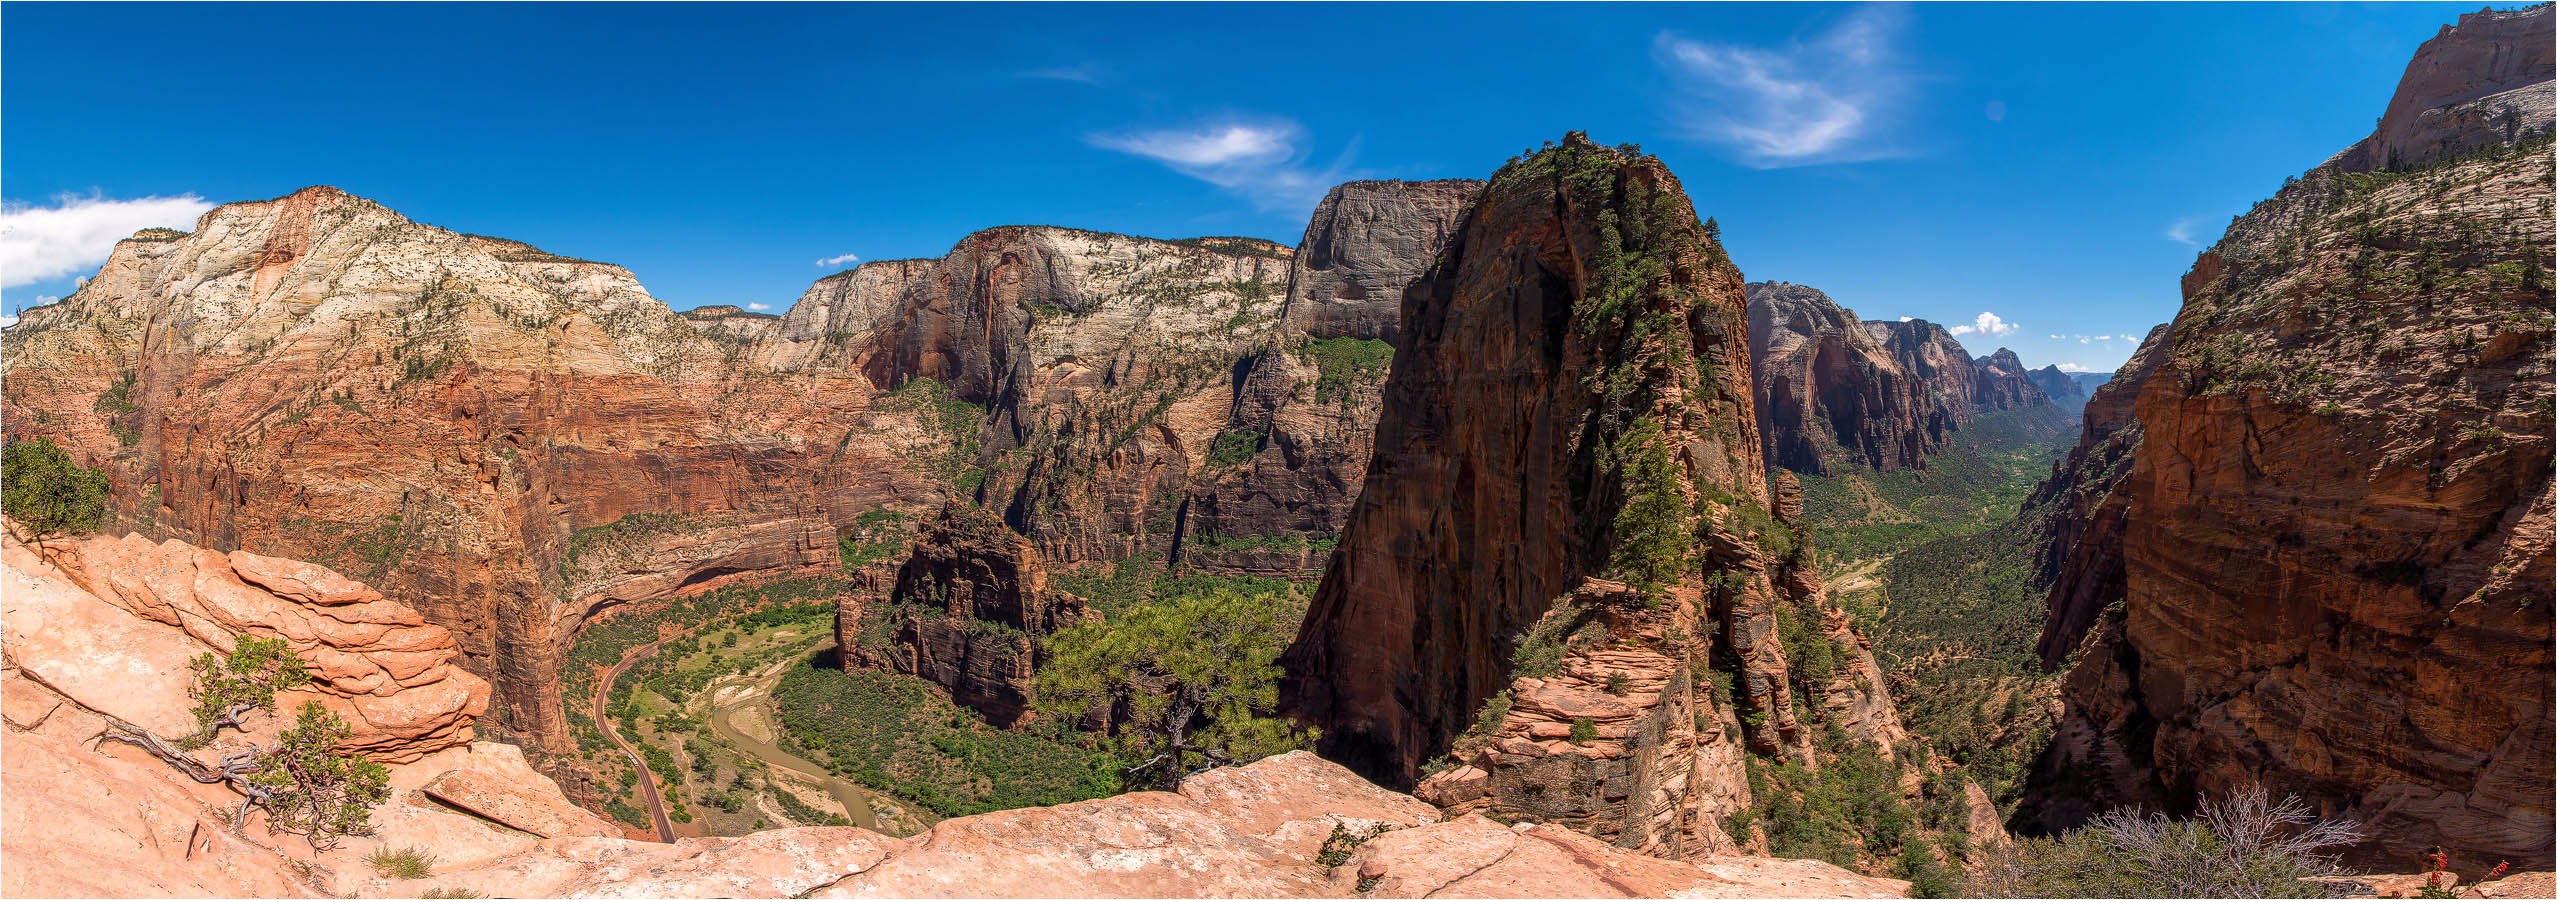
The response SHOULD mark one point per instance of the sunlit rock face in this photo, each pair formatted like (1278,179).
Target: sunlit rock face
(2326,519)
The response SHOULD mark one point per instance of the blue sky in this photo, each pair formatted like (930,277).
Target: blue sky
(2051,166)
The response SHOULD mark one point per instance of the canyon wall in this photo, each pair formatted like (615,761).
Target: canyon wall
(2317,553)
(1567,510)
(503,437)
(1289,461)
(1836,393)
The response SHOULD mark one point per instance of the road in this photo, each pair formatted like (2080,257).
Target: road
(647,779)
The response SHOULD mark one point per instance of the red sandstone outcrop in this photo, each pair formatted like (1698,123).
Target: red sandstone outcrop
(2475,85)
(972,600)
(1291,456)
(1832,390)
(1571,401)
(450,418)
(394,678)
(2334,534)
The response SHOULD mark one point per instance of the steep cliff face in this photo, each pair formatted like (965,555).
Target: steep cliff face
(2332,539)
(2079,511)
(1290,457)
(971,601)
(1103,367)
(1834,392)
(1571,401)
(504,436)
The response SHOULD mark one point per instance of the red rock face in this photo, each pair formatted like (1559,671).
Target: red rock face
(442,415)
(2333,536)
(1552,418)
(1833,391)
(975,599)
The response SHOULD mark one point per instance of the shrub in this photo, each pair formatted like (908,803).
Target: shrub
(49,493)
(246,678)
(1196,678)
(2244,845)
(313,790)
(449,894)
(1583,730)
(403,863)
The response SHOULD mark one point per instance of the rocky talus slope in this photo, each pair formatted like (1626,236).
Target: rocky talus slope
(112,821)
(2329,508)
(508,437)
(1834,392)
(1565,529)
(1289,462)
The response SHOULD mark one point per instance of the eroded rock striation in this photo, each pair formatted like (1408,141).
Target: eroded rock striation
(971,602)
(1834,392)
(1290,458)
(1567,466)
(2332,537)
(502,437)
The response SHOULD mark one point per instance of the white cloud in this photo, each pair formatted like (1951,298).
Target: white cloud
(2129,338)
(840,260)
(40,243)
(1987,323)
(1079,73)
(2181,232)
(2074,367)
(1261,161)
(2055,337)
(1805,103)
(759,307)
(2082,340)
(1908,318)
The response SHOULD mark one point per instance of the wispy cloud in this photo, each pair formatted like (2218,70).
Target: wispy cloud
(2181,232)
(2074,367)
(1079,73)
(1822,101)
(42,243)
(759,307)
(1261,161)
(1987,323)
(844,260)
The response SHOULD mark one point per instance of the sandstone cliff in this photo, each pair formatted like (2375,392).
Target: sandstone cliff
(970,603)
(112,821)
(1290,458)
(1570,401)
(1834,391)
(2332,538)
(504,436)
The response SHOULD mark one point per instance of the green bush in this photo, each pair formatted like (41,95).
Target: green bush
(1195,679)
(2244,845)
(1583,730)
(312,789)
(47,492)
(403,863)
(246,678)
(1344,363)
